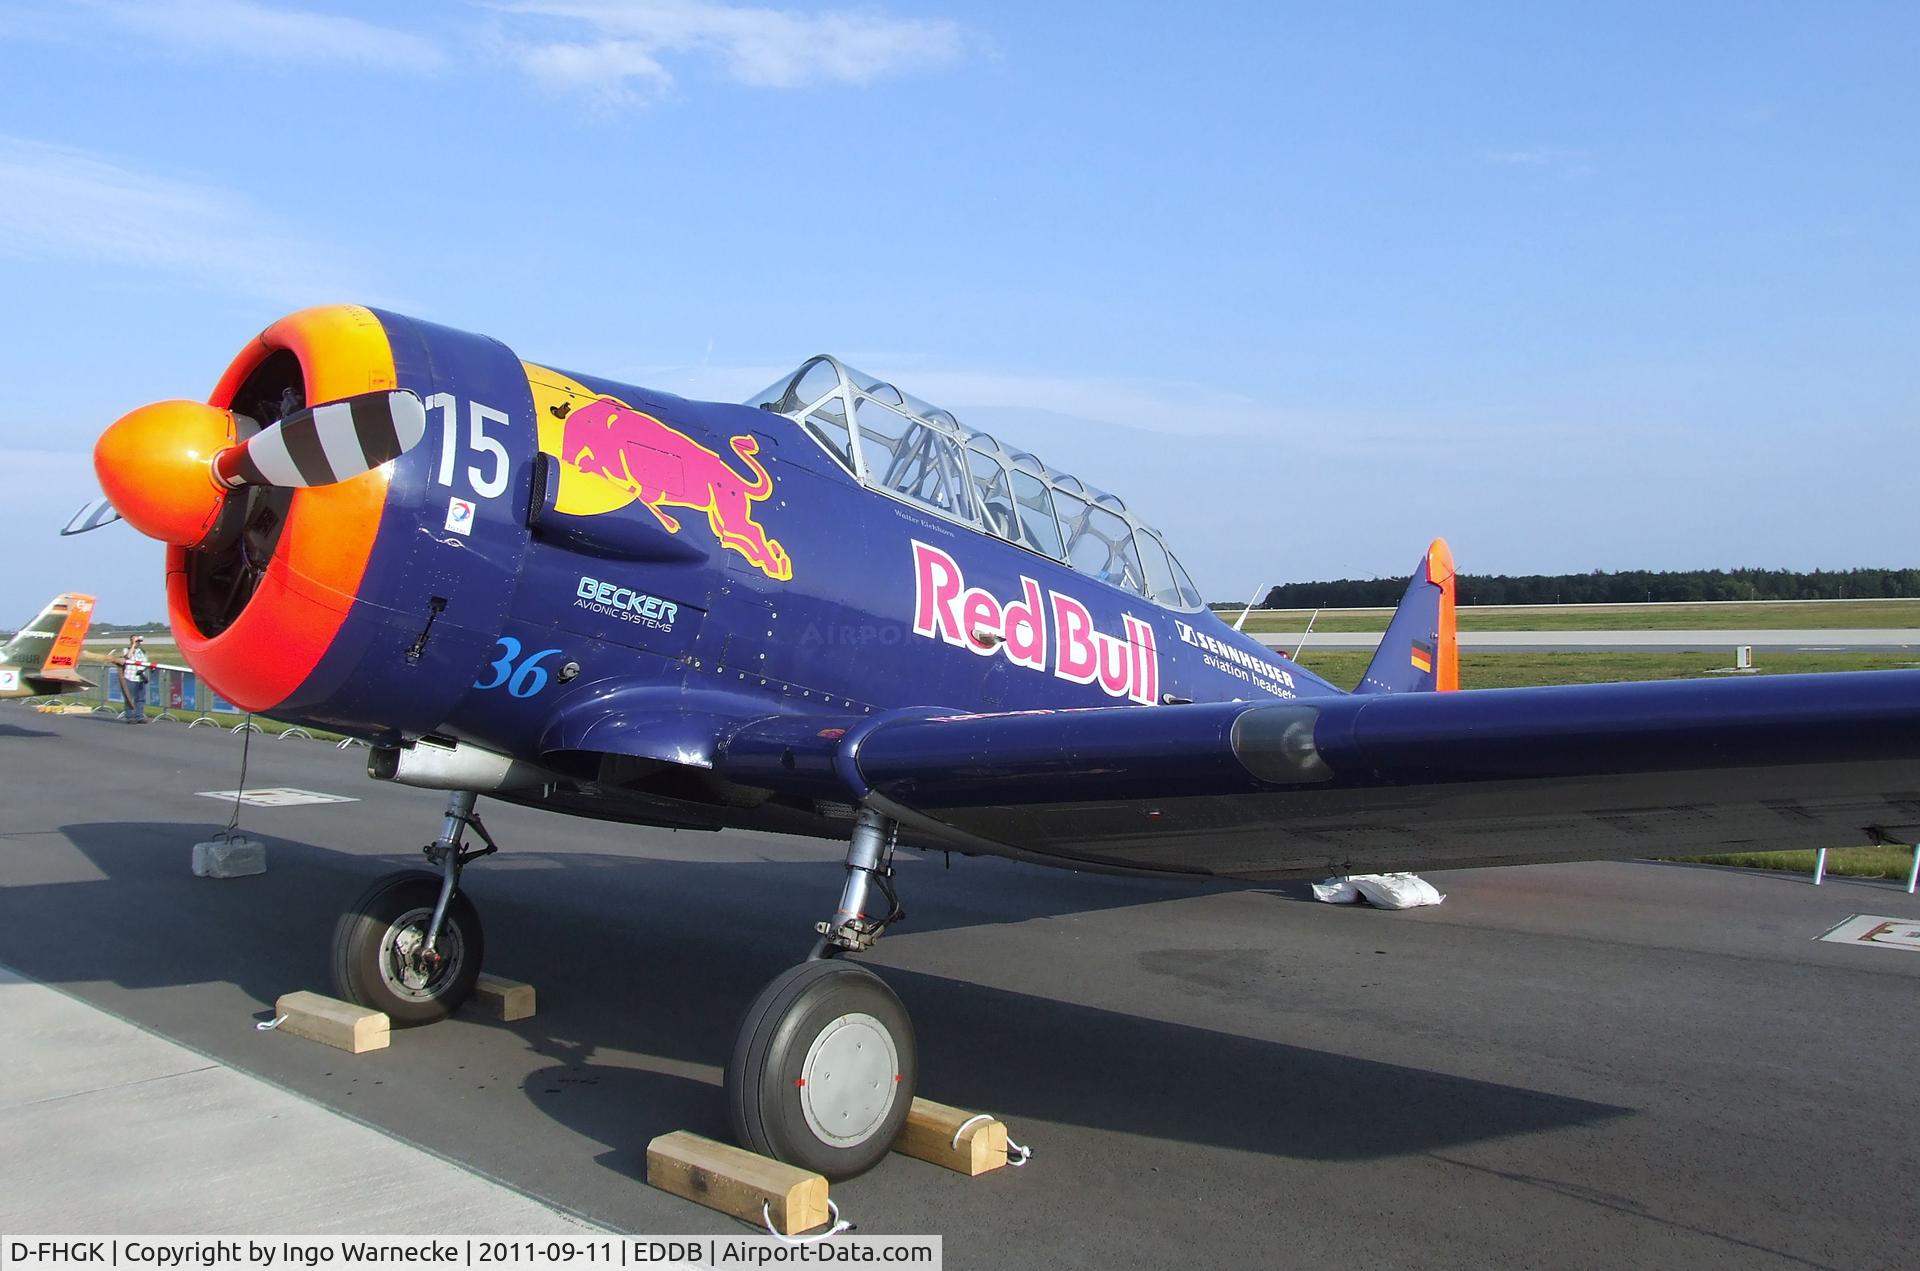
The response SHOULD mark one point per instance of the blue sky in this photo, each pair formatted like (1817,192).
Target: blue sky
(1577,286)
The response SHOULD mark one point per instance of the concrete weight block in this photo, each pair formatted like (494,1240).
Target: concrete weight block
(236,857)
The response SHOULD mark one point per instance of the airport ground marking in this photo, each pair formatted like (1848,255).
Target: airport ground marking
(1878,931)
(276,796)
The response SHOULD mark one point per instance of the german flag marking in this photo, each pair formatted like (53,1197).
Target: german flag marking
(1422,657)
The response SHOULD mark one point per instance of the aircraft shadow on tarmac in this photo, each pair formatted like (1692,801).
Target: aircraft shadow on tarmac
(14,730)
(644,961)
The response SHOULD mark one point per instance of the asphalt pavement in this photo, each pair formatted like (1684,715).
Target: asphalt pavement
(1622,1064)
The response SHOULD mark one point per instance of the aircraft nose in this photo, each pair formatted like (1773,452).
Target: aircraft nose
(155,466)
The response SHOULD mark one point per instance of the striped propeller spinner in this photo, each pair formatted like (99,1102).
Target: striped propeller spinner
(325,444)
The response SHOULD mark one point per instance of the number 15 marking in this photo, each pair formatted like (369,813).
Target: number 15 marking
(478,417)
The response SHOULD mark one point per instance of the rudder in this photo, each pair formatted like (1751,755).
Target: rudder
(63,659)
(1420,652)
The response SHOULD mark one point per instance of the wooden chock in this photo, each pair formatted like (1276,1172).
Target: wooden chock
(354,1029)
(738,1182)
(930,1132)
(500,999)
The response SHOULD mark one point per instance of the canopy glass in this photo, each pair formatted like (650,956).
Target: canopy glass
(897,444)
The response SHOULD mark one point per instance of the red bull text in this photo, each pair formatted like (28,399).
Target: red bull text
(946,609)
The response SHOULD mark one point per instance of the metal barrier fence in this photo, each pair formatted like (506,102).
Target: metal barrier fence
(1913,871)
(179,696)
(171,694)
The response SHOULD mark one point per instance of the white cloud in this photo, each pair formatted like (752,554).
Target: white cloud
(1161,406)
(29,22)
(987,399)
(1561,161)
(615,49)
(600,70)
(269,33)
(58,203)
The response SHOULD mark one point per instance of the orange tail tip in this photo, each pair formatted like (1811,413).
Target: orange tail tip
(1419,651)
(1446,653)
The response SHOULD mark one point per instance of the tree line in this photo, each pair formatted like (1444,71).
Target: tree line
(1634,586)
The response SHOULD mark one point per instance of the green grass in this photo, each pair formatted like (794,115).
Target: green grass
(271,727)
(225,719)
(1855,862)
(1794,615)
(1519,670)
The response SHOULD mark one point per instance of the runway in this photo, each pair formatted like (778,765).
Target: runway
(1813,640)
(1604,1064)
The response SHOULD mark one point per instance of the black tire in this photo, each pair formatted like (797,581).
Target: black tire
(843,1009)
(392,908)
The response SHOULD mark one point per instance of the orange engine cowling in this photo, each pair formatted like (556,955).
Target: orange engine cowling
(256,599)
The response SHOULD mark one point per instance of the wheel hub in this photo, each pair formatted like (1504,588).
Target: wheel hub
(849,1080)
(406,965)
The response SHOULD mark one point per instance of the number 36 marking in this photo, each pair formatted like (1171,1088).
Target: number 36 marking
(494,483)
(524,680)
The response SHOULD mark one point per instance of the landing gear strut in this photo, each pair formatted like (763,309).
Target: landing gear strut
(411,945)
(869,865)
(824,1068)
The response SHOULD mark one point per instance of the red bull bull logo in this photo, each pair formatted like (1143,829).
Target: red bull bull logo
(613,455)
(1057,633)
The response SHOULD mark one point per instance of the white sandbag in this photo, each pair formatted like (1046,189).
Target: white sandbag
(1397,891)
(1382,891)
(1337,891)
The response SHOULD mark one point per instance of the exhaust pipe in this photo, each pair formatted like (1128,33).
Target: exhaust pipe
(434,764)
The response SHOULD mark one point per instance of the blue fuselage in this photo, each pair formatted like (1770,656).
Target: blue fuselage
(610,632)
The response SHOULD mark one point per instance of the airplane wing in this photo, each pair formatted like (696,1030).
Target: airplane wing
(1391,782)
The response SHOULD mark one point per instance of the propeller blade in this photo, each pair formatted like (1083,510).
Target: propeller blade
(91,517)
(325,444)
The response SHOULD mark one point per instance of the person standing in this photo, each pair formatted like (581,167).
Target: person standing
(135,667)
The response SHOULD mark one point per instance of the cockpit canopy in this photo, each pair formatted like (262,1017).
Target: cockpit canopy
(897,444)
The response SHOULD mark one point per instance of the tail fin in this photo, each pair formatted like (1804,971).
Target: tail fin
(1420,652)
(49,647)
(63,660)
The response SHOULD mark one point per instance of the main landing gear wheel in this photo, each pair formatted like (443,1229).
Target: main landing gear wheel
(824,1070)
(379,954)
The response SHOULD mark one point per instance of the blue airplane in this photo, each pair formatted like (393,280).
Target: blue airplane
(836,610)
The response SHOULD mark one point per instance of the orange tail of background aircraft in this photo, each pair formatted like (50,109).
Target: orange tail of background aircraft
(43,657)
